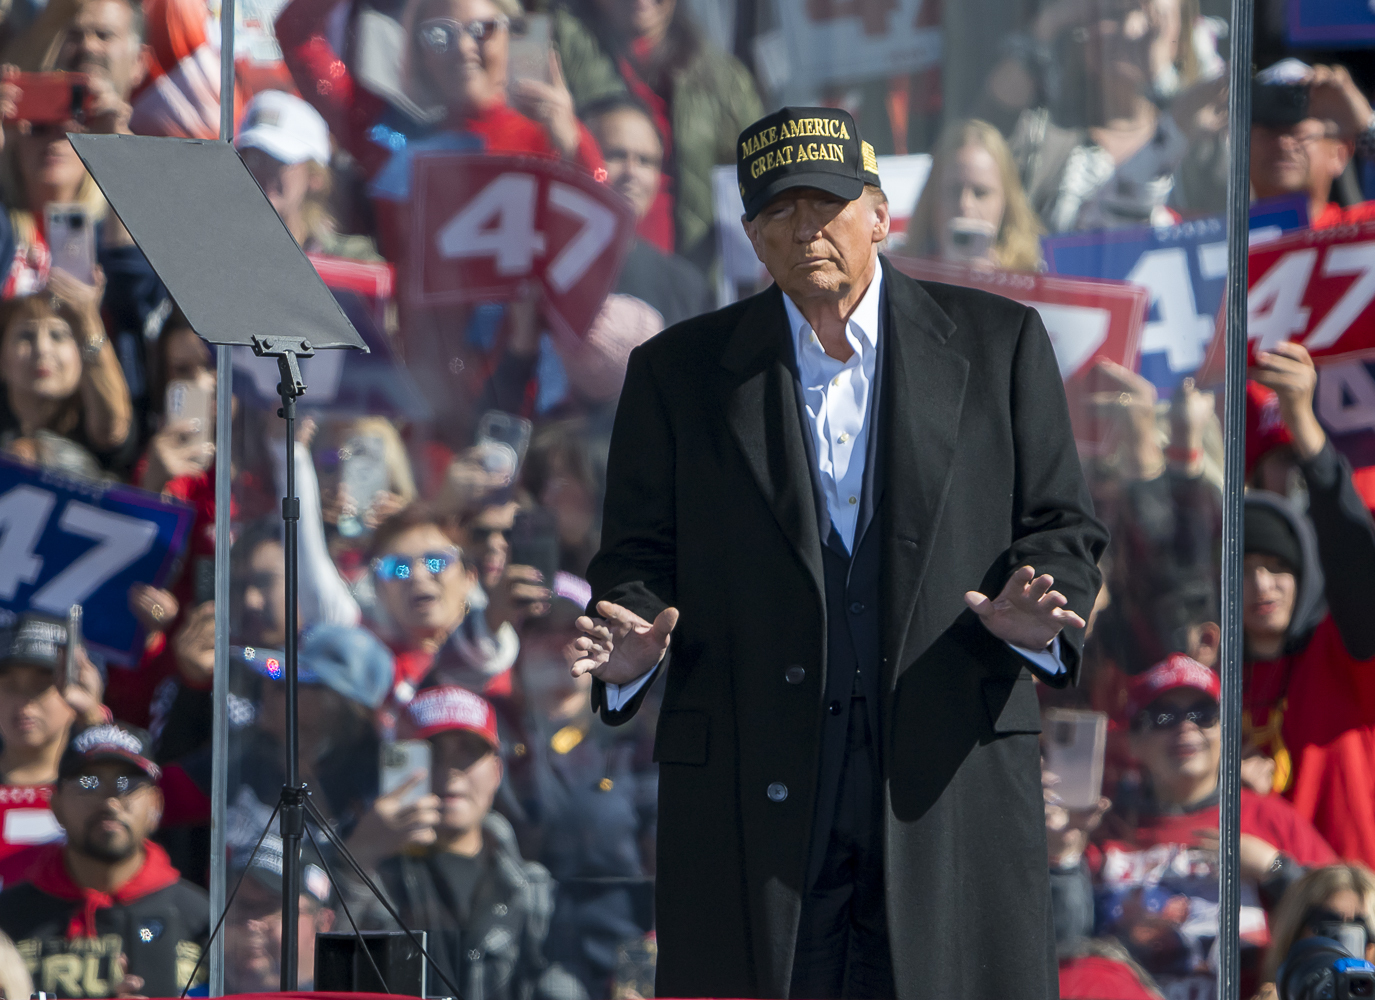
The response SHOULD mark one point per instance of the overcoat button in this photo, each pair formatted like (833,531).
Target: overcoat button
(794,675)
(778,791)
(856,608)
(834,707)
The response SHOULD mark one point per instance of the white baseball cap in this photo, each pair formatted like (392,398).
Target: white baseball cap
(285,127)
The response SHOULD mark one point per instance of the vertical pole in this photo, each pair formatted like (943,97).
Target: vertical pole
(1234,424)
(293,799)
(224,386)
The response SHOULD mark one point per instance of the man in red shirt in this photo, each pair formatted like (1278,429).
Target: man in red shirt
(36,717)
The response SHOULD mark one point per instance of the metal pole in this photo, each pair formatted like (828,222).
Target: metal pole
(1234,424)
(224,385)
(293,800)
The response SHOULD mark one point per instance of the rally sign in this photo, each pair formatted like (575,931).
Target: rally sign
(830,41)
(66,541)
(487,227)
(1183,267)
(1314,287)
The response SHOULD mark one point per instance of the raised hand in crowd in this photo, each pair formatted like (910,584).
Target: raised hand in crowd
(10,93)
(1125,401)
(176,450)
(1068,830)
(155,609)
(1334,96)
(551,105)
(194,645)
(1289,371)
(393,824)
(521,593)
(624,648)
(86,691)
(107,112)
(1256,856)
(1191,411)
(1027,613)
(106,406)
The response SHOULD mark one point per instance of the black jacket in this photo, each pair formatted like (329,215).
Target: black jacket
(161,935)
(709,508)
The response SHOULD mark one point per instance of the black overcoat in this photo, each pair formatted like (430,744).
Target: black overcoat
(709,508)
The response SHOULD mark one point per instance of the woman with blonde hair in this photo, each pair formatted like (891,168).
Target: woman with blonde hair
(973,209)
(1340,893)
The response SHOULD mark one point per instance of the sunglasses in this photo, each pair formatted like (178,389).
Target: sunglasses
(441,35)
(399,567)
(122,786)
(1203,714)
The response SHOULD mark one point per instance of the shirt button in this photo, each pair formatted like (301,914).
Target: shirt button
(843,438)
(856,608)
(778,791)
(836,380)
(854,500)
(794,675)
(834,707)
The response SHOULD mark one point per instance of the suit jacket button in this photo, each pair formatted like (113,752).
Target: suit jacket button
(794,675)
(856,608)
(778,791)
(834,707)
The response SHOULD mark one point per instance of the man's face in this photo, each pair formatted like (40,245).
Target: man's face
(263,604)
(1185,751)
(818,246)
(285,184)
(101,41)
(634,156)
(1281,158)
(487,541)
(424,602)
(1268,589)
(465,776)
(253,938)
(108,809)
(33,712)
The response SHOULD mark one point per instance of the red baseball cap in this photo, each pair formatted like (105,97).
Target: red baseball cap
(1179,671)
(1265,431)
(444,709)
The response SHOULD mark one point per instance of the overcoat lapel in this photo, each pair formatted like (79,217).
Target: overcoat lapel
(919,423)
(760,404)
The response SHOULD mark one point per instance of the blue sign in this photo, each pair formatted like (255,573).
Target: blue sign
(66,541)
(1338,23)
(1184,267)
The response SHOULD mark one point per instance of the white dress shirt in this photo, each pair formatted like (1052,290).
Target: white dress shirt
(836,395)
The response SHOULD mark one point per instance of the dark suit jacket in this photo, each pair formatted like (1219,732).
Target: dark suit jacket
(709,508)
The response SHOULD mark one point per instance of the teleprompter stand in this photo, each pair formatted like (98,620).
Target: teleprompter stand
(241,280)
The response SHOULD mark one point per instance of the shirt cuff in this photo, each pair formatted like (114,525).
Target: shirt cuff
(620,695)
(1047,659)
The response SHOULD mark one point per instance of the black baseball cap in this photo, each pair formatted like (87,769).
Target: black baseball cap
(108,741)
(33,640)
(803,147)
(1279,94)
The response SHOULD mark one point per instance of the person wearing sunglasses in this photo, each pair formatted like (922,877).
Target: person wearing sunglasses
(106,913)
(1156,886)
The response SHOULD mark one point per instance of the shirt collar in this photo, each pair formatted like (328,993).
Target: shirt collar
(862,327)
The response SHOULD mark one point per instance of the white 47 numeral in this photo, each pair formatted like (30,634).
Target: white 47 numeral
(1275,303)
(1356,258)
(24,513)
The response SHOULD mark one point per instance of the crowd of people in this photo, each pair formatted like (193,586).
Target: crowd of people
(442,556)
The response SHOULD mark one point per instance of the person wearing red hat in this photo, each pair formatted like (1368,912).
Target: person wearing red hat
(486,909)
(1153,863)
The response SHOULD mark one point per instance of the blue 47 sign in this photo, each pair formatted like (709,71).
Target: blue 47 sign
(66,541)
(1183,267)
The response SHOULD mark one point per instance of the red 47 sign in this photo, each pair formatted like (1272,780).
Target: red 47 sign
(485,227)
(1314,287)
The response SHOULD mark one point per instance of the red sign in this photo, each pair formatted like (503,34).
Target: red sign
(1088,320)
(1315,287)
(486,227)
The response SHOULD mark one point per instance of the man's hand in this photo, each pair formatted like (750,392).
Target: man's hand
(194,645)
(1334,96)
(1027,613)
(155,609)
(391,826)
(624,648)
(1255,858)
(85,691)
(1068,830)
(521,593)
(1289,371)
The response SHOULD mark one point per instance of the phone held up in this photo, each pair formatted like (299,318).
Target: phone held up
(71,239)
(50,98)
(401,761)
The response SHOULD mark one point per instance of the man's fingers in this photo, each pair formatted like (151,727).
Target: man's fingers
(1052,599)
(664,623)
(1068,618)
(618,615)
(1039,587)
(978,603)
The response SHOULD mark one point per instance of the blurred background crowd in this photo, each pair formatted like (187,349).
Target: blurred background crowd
(451,481)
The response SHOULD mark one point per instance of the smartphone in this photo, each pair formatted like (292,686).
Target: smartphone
(1074,750)
(363,472)
(67,669)
(535,542)
(71,240)
(193,403)
(497,427)
(529,50)
(400,761)
(971,238)
(50,97)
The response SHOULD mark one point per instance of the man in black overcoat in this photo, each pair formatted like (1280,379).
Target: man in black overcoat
(854,502)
